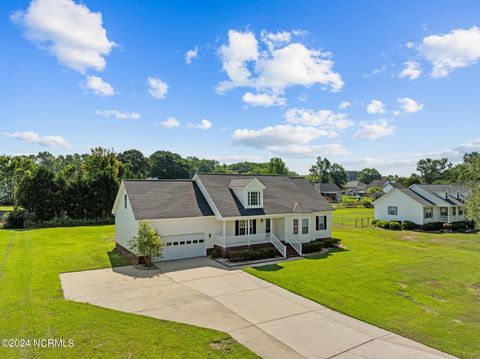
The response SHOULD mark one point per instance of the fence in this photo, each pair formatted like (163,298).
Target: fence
(358,222)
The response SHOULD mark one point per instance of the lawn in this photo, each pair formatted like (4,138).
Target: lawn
(32,304)
(348,216)
(6,208)
(420,285)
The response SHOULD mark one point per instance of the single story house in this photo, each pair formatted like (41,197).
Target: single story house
(355,188)
(330,191)
(385,185)
(423,203)
(222,211)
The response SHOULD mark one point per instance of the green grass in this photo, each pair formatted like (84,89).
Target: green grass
(32,304)
(347,216)
(420,285)
(6,208)
(353,199)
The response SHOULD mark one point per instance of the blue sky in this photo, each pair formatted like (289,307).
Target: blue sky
(264,79)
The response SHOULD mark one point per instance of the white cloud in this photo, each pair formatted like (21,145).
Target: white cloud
(157,88)
(34,138)
(412,70)
(98,86)
(375,129)
(263,99)
(275,66)
(344,105)
(473,146)
(118,115)
(376,106)
(409,45)
(170,122)
(203,125)
(446,52)
(409,105)
(69,31)
(190,55)
(326,120)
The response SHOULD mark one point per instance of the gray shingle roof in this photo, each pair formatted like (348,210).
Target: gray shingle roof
(355,184)
(422,200)
(328,187)
(282,194)
(159,199)
(378,183)
(397,185)
(240,182)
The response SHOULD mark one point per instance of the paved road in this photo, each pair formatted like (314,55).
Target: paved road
(269,320)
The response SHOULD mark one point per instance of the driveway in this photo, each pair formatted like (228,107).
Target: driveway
(271,321)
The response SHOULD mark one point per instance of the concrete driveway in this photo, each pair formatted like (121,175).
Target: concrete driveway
(269,320)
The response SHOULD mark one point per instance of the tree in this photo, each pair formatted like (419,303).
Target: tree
(201,165)
(12,170)
(135,163)
(277,166)
(368,175)
(165,164)
(374,189)
(326,172)
(147,243)
(39,193)
(433,170)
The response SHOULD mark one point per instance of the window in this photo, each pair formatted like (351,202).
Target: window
(125,200)
(195,241)
(252,228)
(200,241)
(304,225)
(460,211)
(254,198)
(454,211)
(444,211)
(241,229)
(428,213)
(189,242)
(392,210)
(175,243)
(295,226)
(182,243)
(169,244)
(321,223)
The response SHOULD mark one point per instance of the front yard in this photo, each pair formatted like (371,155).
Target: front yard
(423,286)
(32,304)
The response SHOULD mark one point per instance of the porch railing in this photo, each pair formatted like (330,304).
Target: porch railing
(290,239)
(250,239)
(279,245)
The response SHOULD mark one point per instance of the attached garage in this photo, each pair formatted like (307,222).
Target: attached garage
(183,246)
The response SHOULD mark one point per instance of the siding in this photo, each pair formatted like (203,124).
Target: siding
(408,208)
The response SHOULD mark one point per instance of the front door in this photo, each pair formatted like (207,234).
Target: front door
(268,225)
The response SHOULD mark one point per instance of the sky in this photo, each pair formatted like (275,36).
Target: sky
(363,83)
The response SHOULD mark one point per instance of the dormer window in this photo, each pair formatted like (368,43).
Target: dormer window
(254,198)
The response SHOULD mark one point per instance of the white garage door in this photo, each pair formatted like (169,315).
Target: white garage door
(183,246)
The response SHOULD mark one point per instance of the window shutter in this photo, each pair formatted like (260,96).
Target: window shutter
(254,227)
(236,228)
(317,223)
(324,222)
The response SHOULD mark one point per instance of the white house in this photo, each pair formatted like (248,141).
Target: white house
(423,203)
(330,191)
(222,211)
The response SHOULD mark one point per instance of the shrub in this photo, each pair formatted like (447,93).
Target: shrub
(312,247)
(448,226)
(367,204)
(459,226)
(236,255)
(383,224)
(331,242)
(215,253)
(408,225)
(14,219)
(65,221)
(432,226)
(396,226)
(374,222)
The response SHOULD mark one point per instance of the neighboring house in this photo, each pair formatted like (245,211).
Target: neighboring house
(386,185)
(355,188)
(392,185)
(330,191)
(222,211)
(423,203)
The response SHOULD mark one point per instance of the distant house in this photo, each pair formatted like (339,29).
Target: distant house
(330,191)
(392,185)
(423,203)
(355,188)
(386,185)
(222,211)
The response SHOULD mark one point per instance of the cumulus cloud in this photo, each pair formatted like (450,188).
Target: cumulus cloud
(157,88)
(411,70)
(409,105)
(326,120)
(118,114)
(190,55)
(375,129)
(263,99)
(203,125)
(376,107)
(68,31)
(459,48)
(473,146)
(274,64)
(99,87)
(409,45)
(34,138)
(344,105)
(170,122)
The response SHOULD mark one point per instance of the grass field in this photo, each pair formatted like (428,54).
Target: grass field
(32,304)
(421,285)
(6,208)
(347,216)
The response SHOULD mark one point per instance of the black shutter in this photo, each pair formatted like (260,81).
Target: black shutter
(317,223)
(254,227)
(324,222)
(236,228)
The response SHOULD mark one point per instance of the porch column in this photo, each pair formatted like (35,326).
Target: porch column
(224,242)
(248,231)
(448,214)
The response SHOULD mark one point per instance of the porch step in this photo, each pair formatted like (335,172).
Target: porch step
(291,252)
